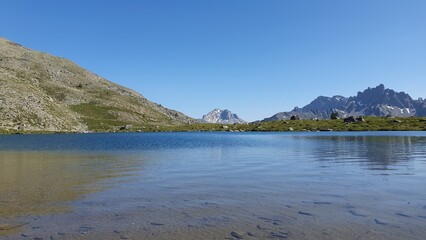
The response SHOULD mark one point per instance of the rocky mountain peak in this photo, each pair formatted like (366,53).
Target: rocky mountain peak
(383,96)
(376,101)
(222,116)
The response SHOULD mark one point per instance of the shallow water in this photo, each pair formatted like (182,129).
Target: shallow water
(365,185)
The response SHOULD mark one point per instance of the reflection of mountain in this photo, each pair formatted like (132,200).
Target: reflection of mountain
(40,182)
(375,152)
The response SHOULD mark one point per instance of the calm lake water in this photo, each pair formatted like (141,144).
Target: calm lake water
(364,185)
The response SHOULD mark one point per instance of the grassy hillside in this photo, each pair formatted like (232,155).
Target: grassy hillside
(41,92)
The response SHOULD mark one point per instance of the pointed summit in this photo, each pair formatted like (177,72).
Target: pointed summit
(222,116)
(376,101)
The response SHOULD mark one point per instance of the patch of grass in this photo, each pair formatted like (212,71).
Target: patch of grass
(371,124)
(56,92)
(98,117)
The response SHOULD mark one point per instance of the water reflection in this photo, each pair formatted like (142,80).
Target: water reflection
(374,152)
(206,185)
(43,182)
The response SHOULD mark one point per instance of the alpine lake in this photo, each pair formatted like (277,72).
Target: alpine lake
(213,185)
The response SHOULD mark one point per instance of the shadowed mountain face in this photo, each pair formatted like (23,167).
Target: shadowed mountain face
(47,93)
(222,116)
(377,101)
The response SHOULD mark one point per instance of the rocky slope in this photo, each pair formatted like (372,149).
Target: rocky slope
(41,92)
(222,116)
(377,101)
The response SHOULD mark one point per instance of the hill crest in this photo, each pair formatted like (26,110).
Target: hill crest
(41,92)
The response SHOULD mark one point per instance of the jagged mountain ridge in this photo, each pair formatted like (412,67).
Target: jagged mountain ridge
(377,101)
(222,116)
(41,92)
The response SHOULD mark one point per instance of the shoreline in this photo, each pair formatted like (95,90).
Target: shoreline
(324,125)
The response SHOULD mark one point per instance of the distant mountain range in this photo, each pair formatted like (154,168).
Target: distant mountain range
(41,92)
(222,116)
(377,101)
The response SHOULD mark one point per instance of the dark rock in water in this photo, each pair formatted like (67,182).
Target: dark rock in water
(322,203)
(356,214)
(402,215)
(237,235)
(279,235)
(157,224)
(380,222)
(304,213)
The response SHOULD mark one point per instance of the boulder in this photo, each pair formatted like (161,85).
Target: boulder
(350,119)
(295,117)
(19,127)
(360,119)
(126,127)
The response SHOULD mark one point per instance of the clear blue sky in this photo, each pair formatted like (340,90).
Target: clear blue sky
(255,58)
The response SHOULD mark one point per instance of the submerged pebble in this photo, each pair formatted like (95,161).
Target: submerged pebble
(402,215)
(279,235)
(380,222)
(322,203)
(261,228)
(356,214)
(237,235)
(304,213)
(157,224)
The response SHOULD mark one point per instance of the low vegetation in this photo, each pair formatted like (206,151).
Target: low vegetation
(110,123)
(370,124)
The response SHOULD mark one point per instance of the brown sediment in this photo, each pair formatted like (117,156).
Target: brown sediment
(30,180)
(5,227)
